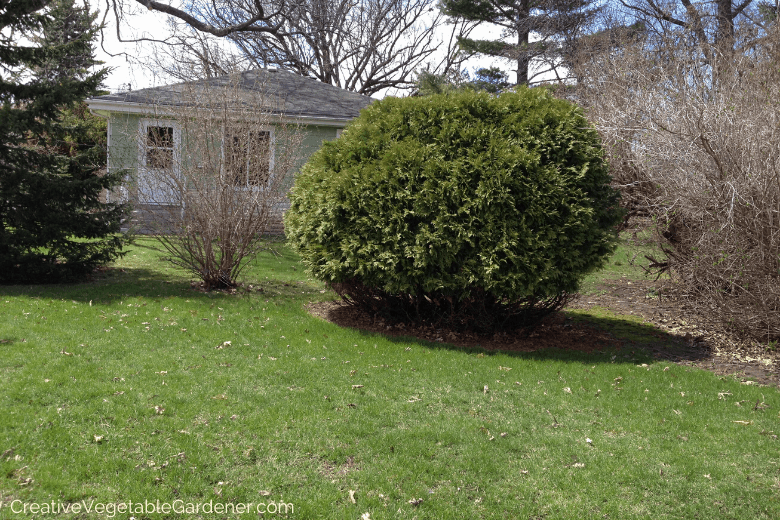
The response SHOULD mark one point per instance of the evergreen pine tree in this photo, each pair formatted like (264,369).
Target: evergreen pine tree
(555,22)
(54,226)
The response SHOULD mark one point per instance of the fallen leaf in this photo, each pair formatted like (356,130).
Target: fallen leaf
(356,386)
(743,422)
(352,496)
(416,501)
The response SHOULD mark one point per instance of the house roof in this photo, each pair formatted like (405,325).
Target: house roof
(293,95)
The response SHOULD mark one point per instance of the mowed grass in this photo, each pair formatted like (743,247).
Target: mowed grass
(137,388)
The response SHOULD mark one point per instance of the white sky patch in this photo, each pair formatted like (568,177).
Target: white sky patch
(123,57)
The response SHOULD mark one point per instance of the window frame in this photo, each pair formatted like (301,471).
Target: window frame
(146,124)
(271,156)
(143,130)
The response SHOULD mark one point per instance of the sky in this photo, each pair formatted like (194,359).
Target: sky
(121,57)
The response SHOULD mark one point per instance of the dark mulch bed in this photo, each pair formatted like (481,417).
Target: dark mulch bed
(684,336)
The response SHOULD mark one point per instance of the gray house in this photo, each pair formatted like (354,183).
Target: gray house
(320,110)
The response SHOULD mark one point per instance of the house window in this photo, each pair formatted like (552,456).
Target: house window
(159,147)
(159,162)
(248,158)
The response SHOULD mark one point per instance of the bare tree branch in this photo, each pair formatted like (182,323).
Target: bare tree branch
(361,45)
(247,25)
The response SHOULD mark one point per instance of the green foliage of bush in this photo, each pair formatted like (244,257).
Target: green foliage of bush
(457,202)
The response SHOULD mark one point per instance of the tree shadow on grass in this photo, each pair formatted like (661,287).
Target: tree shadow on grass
(110,285)
(579,337)
(114,284)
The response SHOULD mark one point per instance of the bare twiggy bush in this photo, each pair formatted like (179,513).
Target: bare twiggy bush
(693,136)
(216,167)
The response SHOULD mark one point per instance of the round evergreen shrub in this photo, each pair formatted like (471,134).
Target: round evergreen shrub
(465,209)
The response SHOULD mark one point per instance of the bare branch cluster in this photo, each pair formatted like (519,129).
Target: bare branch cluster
(215,171)
(693,132)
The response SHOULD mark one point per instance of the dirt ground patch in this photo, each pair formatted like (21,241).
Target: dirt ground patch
(672,331)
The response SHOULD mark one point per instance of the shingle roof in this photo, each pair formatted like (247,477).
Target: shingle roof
(298,95)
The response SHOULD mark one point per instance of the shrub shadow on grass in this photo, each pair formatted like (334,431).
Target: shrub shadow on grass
(577,337)
(638,334)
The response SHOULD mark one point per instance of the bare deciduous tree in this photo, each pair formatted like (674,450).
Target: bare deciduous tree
(215,169)
(712,25)
(361,45)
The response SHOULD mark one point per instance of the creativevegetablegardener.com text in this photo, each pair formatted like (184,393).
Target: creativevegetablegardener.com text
(147,507)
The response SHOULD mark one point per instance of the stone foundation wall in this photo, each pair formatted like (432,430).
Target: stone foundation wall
(153,219)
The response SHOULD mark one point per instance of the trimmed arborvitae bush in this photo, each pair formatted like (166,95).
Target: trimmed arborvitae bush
(466,210)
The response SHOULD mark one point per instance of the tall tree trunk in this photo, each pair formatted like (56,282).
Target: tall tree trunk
(523,61)
(523,39)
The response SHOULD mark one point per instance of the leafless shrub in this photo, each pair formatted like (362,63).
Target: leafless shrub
(693,138)
(216,165)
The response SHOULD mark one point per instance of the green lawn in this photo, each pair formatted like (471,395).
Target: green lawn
(626,262)
(136,388)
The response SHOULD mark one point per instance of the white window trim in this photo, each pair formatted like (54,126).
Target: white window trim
(143,128)
(272,156)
